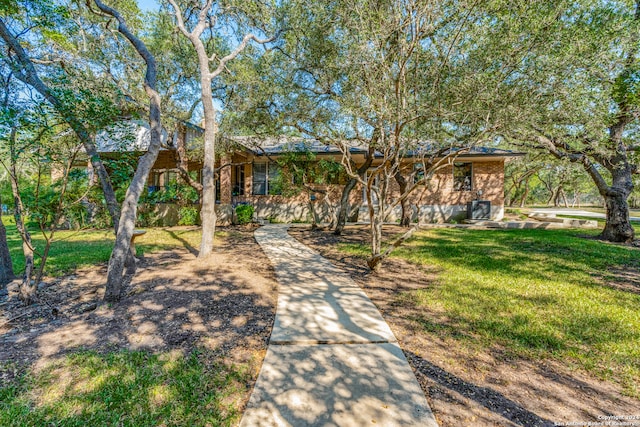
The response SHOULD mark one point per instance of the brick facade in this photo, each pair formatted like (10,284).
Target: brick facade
(436,201)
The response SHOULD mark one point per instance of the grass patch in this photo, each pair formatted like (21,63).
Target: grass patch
(536,293)
(74,249)
(127,388)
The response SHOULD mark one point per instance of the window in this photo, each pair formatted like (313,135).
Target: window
(238,179)
(265,179)
(462,177)
(274,186)
(260,178)
(153,183)
(171,177)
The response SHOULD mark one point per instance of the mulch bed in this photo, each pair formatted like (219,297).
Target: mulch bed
(175,302)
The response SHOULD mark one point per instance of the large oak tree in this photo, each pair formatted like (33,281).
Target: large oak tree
(575,93)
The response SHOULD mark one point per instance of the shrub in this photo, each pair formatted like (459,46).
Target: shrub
(244,213)
(187,216)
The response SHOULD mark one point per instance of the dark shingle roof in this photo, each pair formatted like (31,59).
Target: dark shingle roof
(260,146)
(276,145)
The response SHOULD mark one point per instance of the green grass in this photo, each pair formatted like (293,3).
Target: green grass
(74,249)
(535,293)
(127,388)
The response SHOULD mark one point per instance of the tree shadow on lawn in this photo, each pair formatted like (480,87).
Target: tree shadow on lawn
(127,388)
(184,242)
(530,254)
(509,252)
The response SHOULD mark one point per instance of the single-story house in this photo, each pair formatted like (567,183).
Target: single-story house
(248,167)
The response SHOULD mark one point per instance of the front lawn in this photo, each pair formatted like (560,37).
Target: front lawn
(73,249)
(127,388)
(536,293)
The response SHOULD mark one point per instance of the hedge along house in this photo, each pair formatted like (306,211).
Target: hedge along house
(249,169)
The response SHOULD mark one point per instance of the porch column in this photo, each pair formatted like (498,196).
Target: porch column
(225,182)
(248,180)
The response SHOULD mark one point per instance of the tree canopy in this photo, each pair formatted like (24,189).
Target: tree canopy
(425,79)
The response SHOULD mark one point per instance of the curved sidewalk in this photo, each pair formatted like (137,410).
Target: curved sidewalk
(332,359)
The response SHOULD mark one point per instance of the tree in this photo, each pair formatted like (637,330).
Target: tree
(18,60)
(69,108)
(28,289)
(577,91)
(343,211)
(37,148)
(49,199)
(12,120)
(387,76)
(300,171)
(122,248)
(518,175)
(207,17)
(6,265)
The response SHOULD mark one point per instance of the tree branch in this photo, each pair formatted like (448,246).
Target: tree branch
(246,39)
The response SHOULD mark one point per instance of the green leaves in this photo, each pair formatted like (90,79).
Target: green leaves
(626,87)
(9,7)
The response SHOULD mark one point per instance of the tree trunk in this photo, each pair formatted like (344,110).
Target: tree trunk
(564,198)
(28,290)
(314,215)
(344,206)
(208,212)
(122,256)
(27,287)
(6,266)
(375,261)
(405,218)
(514,197)
(553,198)
(525,193)
(617,228)
(350,185)
(376,217)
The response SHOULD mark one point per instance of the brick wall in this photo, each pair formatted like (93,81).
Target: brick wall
(488,177)
(438,201)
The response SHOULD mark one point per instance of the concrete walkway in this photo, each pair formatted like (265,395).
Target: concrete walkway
(332,359)
(577,212)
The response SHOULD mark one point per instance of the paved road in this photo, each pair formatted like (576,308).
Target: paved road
(332,359)
(577,212)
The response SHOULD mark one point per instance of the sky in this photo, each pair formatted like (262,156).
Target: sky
(148,5)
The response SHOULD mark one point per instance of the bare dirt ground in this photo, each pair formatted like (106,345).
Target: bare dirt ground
(175,302)
(467,387)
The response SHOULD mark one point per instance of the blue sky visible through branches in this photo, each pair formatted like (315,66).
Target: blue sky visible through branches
(148,5)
